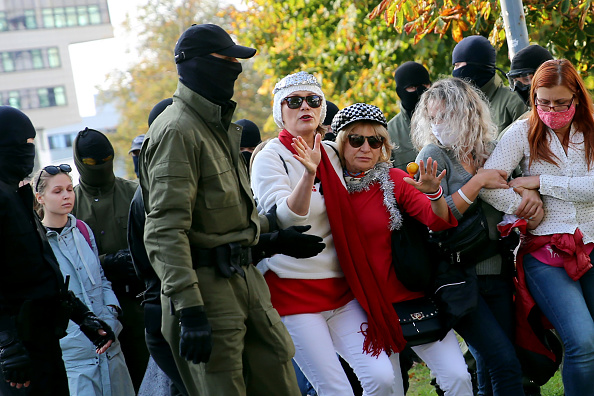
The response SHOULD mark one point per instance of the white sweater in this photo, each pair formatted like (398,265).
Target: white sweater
(566,189)
(272,185)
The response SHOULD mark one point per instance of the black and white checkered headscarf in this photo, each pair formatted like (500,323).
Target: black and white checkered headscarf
(357,112)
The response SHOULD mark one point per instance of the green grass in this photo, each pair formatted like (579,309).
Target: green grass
(419,379)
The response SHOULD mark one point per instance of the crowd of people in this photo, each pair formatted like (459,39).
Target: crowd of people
(323,261)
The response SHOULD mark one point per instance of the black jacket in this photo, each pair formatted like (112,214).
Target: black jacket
(28,269)
(139,257)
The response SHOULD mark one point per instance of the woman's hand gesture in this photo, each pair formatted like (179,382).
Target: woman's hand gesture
(429,181)
(310,158)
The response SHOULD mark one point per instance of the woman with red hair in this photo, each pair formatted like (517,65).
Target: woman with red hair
(555,150)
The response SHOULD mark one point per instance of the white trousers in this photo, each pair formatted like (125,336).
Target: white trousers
(319,336)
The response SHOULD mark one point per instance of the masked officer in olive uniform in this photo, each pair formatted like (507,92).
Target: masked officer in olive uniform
(201,221)
(412,79)
(474,59)
(35,305)
(103,202)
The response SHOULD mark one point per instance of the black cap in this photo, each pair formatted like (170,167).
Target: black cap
(158,109)
(474,49)
(528,59)
(200,40)
(331,110)
(250,136)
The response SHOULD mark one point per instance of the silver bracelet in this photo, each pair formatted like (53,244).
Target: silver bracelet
(464,197)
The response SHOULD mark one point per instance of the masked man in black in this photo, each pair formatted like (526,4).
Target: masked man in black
(35,304)
(412,79)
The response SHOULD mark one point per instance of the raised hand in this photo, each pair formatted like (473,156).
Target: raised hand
(429,181)
(310,158)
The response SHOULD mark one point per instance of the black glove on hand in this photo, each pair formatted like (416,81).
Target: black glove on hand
(291,241)
(118,266)
(195,338)
(14,358)
(89,323)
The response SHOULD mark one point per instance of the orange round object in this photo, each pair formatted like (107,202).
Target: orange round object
(412,168)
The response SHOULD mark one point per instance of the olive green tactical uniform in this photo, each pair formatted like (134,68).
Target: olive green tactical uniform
(506,106)
(399,131)
(197,195)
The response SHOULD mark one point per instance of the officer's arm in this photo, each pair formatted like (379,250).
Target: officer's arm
(170,179)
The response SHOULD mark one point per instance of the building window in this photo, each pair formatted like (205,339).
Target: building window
(94,15)
(37,59)
(83,16)
(51,97)
(34,59)
(71,19)
(61,141)
(60,17)
(48,18)
(3,23)
(14,99)
(30,19)
(7,62)
(53,56)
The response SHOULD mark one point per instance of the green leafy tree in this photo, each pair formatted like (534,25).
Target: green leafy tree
(565,27)
(153,76)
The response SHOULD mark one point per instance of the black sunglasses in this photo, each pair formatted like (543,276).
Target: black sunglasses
(295,102)
(53,170)
(357,141)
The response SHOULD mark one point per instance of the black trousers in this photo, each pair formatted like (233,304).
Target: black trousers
(160,350)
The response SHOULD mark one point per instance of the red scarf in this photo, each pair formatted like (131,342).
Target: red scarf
(383,331)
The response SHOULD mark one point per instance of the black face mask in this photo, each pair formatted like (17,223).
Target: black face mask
(135,161)
(210,77)
(524,92)
(16,162)
(409,100)
(478,74)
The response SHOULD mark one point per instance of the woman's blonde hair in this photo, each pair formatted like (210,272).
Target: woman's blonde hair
(39,184)
(380,131)
(465,111)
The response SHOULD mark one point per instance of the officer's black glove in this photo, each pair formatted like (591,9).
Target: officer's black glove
(195,338)
(291,241)
(89,323)
(118,266)
(14,358)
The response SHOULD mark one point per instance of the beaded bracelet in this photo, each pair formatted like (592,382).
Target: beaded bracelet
(436,195)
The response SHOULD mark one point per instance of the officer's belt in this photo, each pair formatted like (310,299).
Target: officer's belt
(227,258)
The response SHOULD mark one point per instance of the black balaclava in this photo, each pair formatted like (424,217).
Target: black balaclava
(210,77)
(93,157)
(479,55)
(247,155)
(331,110)
(250,134)
(411,74)
(17,157)
(527,60)
(158,109)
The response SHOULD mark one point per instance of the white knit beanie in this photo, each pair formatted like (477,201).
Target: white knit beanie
(300,81)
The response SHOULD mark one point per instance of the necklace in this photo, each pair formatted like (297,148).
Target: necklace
(380,173)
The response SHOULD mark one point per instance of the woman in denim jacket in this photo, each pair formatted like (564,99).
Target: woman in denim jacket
(73,244)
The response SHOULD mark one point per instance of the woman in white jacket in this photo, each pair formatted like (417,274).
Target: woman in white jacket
(73,244)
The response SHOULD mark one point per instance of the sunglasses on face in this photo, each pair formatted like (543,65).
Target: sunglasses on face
(295,102)
(54,170)
(357,141)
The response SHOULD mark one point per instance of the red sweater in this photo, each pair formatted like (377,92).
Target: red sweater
(374,219)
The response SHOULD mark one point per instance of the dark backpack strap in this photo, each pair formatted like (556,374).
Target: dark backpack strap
(82,227)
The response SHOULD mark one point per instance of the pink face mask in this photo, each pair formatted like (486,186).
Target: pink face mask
(556,119)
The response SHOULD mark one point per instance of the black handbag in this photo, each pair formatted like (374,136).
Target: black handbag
(411,257)
(420,321)
(469,240)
